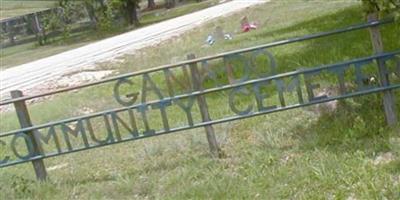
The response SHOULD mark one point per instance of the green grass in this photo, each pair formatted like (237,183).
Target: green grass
(17,8)
(22,54)
(163,14)
(295,154)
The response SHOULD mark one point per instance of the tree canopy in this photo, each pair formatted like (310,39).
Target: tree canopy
(383,7)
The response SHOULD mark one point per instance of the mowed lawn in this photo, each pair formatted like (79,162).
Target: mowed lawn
(10,8)
(349,153)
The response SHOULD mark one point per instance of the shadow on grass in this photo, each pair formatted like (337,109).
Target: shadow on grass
(358,123)
(338,47)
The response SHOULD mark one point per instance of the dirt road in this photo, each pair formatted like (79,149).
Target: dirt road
(29,76)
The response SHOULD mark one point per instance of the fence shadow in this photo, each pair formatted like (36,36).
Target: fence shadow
(357,123)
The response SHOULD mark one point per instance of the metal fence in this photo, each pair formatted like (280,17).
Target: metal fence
(185,87)
(34,26)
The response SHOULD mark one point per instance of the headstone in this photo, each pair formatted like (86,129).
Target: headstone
(219,33)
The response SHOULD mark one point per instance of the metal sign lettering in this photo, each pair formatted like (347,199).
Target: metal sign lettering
(59,135)
(148,99)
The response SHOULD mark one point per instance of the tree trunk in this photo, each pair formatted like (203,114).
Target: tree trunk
(151,4)
(103,7)
(38,29)
(169,4)
(91,13)
(132,13)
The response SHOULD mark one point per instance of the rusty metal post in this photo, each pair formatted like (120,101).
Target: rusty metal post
(25,121)
(197,86)
(388,97)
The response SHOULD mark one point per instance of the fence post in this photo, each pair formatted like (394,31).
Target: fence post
(388,97)
(25,121)
(11,31)
(38,28)
(197,86)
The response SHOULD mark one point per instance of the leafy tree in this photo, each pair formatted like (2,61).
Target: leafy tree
(151,4)
(170,4)
(90,8)
(60,19)
(103,13)
(383,7)
(128,8)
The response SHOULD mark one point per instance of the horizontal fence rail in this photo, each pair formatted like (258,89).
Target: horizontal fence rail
(299,78)
(221,88)
(207,58)
(152,95)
